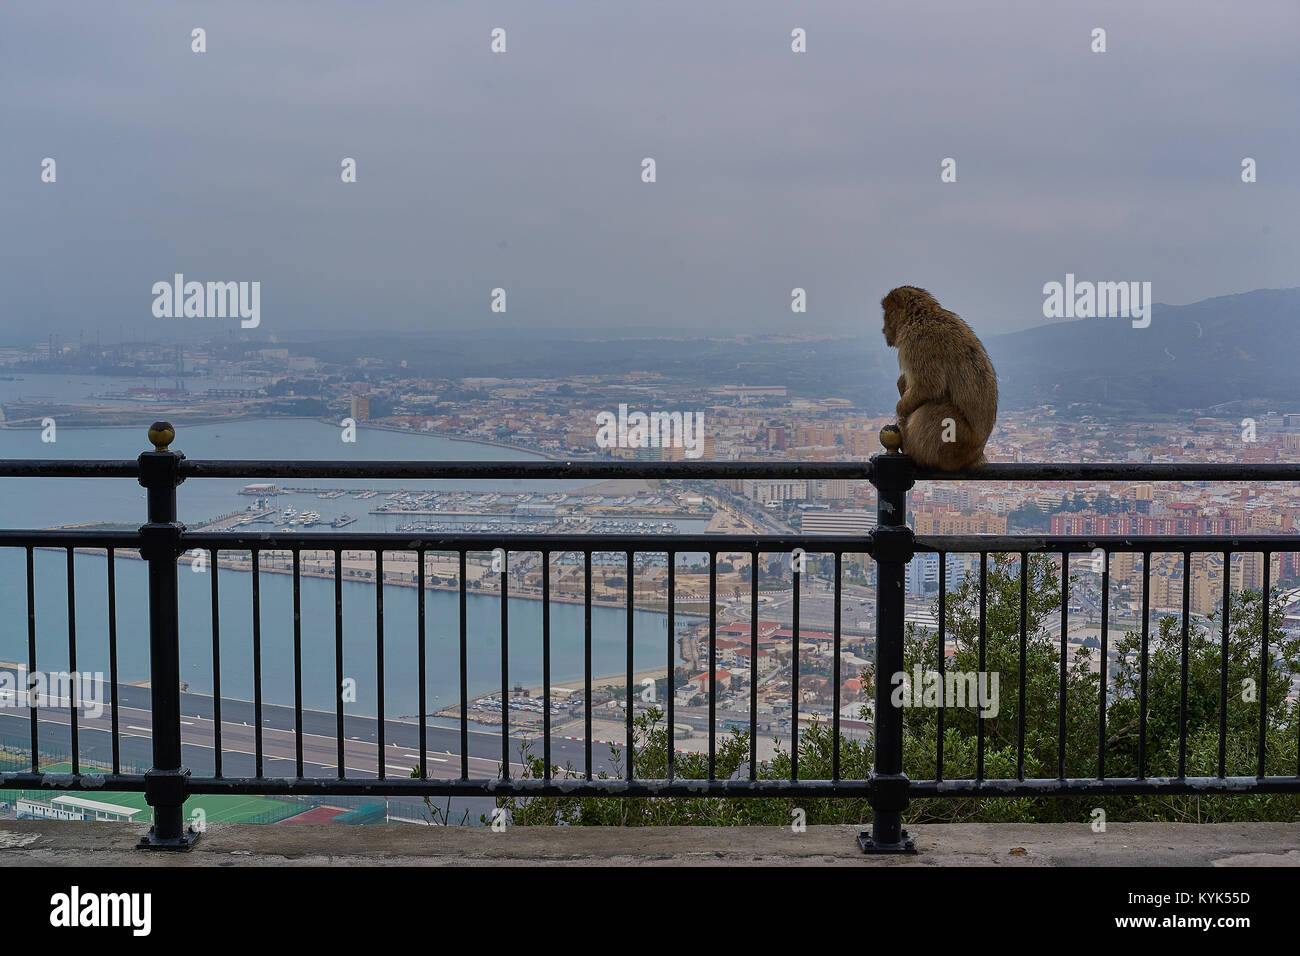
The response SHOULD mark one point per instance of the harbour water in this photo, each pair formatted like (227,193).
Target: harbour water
(401,673)
(45,502)
(27,503)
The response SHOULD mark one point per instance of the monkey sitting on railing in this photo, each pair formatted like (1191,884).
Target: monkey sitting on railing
(948,389)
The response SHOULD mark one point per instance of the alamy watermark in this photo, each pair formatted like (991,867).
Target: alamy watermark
(1104,300)
(82,690)
(212,300)
(625,429)
(74,908)
(950,689)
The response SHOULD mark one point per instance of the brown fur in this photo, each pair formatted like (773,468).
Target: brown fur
(946,374)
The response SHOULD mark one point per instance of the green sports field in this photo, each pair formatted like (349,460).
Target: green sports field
(233,808)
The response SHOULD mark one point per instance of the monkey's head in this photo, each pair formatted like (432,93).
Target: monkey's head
(901,306)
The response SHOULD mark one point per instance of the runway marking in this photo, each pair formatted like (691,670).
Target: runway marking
(103,726)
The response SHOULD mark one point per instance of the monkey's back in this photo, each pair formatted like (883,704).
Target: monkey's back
(972,382)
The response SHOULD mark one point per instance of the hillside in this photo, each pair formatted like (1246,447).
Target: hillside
(1213,352)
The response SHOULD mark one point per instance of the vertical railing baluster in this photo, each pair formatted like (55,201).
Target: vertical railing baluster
(216,664)
(586,659)
(628,747)
(1223,664)
(835,674)
(943,655)
(1024,640)
(297,661)
(1182,678)
(255,558)
(464,675)
(892,547)
(421,663)
(794,677)
(713,662)
(1265,661)
(1104,670)
(74,680)
(672,659)
(31,662)
(505,665)
(112,660)
(546,664)
(753,665)
(1142,679)
(983,643)
(1065,635)
(379,658)
(160,546)
(338,662)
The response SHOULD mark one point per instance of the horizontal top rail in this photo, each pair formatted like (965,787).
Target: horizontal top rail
(529,469)
(859,471)
(680,470)
(69,538)
(1052,544)
(1118,471)
(70,468)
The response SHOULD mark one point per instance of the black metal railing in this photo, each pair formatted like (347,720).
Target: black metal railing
(162,540)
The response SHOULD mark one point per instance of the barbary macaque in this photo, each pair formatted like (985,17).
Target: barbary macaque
(948,392)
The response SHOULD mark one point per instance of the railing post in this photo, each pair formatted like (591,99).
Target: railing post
(160,546)
(892,547)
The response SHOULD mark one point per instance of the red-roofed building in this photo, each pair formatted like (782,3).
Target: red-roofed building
(742,630)
(721,677)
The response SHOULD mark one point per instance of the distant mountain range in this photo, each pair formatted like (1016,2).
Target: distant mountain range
(1216,352)
(1227,354)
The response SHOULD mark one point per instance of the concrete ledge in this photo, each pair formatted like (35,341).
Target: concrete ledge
(32,843)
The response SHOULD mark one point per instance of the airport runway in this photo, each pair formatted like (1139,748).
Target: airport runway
(279,743)
(319,744)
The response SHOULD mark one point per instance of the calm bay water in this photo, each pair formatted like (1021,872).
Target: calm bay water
(27,503)
(359,629)
(41,503)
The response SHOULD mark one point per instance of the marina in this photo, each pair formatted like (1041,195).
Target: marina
(463,511)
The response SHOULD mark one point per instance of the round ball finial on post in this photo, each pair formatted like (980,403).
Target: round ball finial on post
(891,437)
(162,435)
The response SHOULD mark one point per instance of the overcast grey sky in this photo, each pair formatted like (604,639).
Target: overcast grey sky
(523,170)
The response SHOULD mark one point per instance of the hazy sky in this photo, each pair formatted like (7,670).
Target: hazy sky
(523,170)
